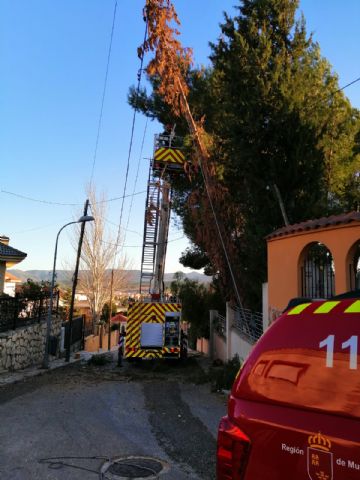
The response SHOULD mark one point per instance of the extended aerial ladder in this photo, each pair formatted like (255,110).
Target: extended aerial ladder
(151,224)
(165,161)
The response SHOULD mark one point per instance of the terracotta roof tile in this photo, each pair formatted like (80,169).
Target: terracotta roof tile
(322,222)
(119,317)
(9,277)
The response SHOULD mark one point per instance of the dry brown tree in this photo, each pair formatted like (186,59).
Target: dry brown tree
(170,65)
(98,258)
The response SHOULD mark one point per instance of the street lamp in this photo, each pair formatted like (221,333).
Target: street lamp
(82,219)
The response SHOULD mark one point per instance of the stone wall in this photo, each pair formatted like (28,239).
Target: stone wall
(25,346)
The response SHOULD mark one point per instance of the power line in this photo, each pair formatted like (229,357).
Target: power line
(122,197)
(116,225)
(221,237)
(131,142)
(140,246)
(203,154)
(103,95)
(39,228)
(348,85)
(49,202)
(136,177)
(334,93)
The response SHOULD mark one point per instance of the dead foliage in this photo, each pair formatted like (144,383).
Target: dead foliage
(171,61)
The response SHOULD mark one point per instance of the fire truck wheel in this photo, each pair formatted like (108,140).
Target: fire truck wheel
(184,354)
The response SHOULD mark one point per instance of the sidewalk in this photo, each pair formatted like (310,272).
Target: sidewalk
(7,378)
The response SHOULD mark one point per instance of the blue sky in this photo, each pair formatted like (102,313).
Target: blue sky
(52,61)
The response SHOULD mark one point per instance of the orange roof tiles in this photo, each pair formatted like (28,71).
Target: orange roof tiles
(318,223)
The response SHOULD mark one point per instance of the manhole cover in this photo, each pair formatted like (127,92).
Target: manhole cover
(133,468)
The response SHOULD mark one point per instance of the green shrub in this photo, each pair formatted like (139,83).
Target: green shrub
(223,376)
(99,360)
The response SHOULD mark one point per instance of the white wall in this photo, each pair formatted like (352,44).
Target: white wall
(81,297)
(9,288)
(239,346)
(225,351)
(265,305)
(219,348)
(226,348)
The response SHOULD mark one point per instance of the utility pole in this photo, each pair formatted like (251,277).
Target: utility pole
(75,279)
(110,308)
(281,204)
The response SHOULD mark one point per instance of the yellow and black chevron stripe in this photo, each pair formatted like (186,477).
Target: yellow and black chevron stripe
(326,307)
(143,353)
(152,353)
(169,155)
(170,350)
(141,312)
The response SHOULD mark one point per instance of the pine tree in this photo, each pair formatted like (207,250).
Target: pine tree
(281,124)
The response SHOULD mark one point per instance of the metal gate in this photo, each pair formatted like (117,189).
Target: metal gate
(317,273)
(354,269)
(77,331)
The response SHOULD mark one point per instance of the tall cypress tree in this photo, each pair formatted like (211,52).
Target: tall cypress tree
(282,126)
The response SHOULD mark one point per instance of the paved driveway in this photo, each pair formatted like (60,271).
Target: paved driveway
(66,424)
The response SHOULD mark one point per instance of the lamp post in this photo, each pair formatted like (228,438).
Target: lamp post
(84,218)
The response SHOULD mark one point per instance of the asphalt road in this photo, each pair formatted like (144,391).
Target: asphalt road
(72,423)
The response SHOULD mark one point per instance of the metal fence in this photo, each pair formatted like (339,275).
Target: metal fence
(21,311)
(220,325)
(77,330)
(249,324)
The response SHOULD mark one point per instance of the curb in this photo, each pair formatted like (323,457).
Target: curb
(9,378)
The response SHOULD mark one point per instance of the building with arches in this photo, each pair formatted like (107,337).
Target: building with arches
(313,259)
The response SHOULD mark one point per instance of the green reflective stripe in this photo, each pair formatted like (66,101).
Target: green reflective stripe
(298,309)
(326,307)
(354,307)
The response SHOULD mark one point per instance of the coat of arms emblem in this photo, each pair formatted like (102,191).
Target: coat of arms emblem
(319,458)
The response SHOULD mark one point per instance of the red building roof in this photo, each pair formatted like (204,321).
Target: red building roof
(315,224)
(118,318)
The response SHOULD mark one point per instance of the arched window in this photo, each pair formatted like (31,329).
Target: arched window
(317,272)
(354,267)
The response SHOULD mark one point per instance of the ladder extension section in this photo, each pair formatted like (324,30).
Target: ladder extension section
(168,160)
(151,224)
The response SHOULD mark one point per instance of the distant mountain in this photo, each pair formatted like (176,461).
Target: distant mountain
(36,275)
(64,277)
